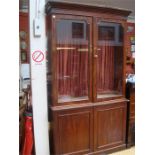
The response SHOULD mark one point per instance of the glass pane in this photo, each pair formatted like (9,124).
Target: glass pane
(110,59)
(72,60)
(77,30)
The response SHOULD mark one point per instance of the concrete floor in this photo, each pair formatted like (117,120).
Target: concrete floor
(130,151)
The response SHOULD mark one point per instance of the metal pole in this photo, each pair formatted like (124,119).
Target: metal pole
(38,75)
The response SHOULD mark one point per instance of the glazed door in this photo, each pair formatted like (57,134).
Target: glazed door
(71,59)
(108,60)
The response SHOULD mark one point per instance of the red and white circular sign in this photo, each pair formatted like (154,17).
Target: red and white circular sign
(38,56)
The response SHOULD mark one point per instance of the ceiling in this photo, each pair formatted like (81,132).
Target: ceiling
(122,4)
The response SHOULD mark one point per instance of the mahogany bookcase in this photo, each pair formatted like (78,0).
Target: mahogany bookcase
(86,55)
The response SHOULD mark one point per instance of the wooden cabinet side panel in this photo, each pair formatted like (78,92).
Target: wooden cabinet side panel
(130,138)
(132,105)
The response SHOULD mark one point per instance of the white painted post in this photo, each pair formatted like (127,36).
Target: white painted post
(38,75)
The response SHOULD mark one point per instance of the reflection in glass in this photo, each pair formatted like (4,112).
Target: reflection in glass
(77,30)
(72,60)
(106,33)
(110,59)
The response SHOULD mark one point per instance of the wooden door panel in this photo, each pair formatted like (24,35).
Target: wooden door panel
(75,131)
(109,126)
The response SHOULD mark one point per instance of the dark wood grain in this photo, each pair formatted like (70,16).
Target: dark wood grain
(109,123)
(82,7)
(74,131)
(96,125)
(89,128)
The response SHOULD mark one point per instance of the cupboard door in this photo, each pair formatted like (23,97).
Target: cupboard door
(109,126)
(109,59)
(74,131)
(71,58)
